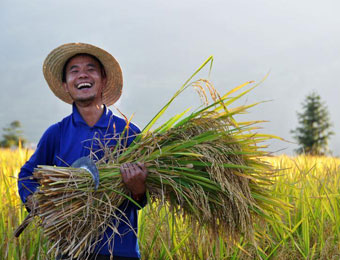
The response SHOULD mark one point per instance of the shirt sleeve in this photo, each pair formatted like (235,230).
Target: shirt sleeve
(43,155)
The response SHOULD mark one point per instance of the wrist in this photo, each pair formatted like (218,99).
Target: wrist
(138,196)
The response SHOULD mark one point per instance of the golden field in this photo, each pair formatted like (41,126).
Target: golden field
(309,229)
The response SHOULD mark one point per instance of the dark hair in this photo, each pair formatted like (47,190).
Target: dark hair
(63,76)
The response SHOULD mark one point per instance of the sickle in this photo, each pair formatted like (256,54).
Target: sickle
(89,165)
(84,163)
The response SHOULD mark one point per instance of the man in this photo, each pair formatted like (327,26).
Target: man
(90,79)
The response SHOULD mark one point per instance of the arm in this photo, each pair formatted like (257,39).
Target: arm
(27,185)
(43,155)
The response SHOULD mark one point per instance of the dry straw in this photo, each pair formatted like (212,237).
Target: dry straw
(204,167)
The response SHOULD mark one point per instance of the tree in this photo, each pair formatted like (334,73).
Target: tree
(313,132)
(12,135)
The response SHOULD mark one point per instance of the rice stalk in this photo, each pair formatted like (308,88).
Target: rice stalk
(204,167)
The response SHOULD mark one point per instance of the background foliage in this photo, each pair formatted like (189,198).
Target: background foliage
(313,132)
(12,135)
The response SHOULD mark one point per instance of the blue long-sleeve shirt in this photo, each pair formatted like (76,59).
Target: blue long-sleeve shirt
(72,138)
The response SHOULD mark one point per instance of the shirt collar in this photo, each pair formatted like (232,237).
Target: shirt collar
(103,121)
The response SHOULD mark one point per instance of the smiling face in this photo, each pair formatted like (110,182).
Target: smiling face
(84,80)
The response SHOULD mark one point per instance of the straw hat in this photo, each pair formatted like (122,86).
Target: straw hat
(55,61)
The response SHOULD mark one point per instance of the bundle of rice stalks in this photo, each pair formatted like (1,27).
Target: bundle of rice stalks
(205,167)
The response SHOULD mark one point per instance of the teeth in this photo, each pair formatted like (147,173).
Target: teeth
(81,85)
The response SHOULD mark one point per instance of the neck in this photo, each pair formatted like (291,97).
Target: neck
(91,114)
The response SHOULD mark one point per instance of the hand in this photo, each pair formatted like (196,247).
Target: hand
(134,177)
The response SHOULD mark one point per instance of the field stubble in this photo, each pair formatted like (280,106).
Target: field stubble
(309,230)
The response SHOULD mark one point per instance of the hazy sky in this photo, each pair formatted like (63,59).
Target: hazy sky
(160,43)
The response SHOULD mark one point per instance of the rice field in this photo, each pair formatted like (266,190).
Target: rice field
(309,229)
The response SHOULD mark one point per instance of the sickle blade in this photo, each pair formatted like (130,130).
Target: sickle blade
(89,165)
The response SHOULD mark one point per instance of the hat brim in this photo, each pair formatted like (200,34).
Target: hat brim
(55,62)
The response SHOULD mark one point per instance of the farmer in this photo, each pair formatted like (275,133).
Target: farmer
(90,79)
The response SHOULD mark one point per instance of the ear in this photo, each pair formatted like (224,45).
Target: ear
(104,80)
(65,87)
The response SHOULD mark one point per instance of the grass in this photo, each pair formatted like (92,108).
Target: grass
(12,212)
(308,231)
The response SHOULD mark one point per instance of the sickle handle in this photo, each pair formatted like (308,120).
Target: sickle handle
(23,225)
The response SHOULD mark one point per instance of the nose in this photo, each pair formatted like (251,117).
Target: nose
(82,74)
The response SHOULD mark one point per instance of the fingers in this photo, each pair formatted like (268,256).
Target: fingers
(142,167)
(134,169)
(131,169)
(128,171)
(134,177)
(125,171)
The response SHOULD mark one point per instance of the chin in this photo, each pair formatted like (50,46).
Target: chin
(88,101)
